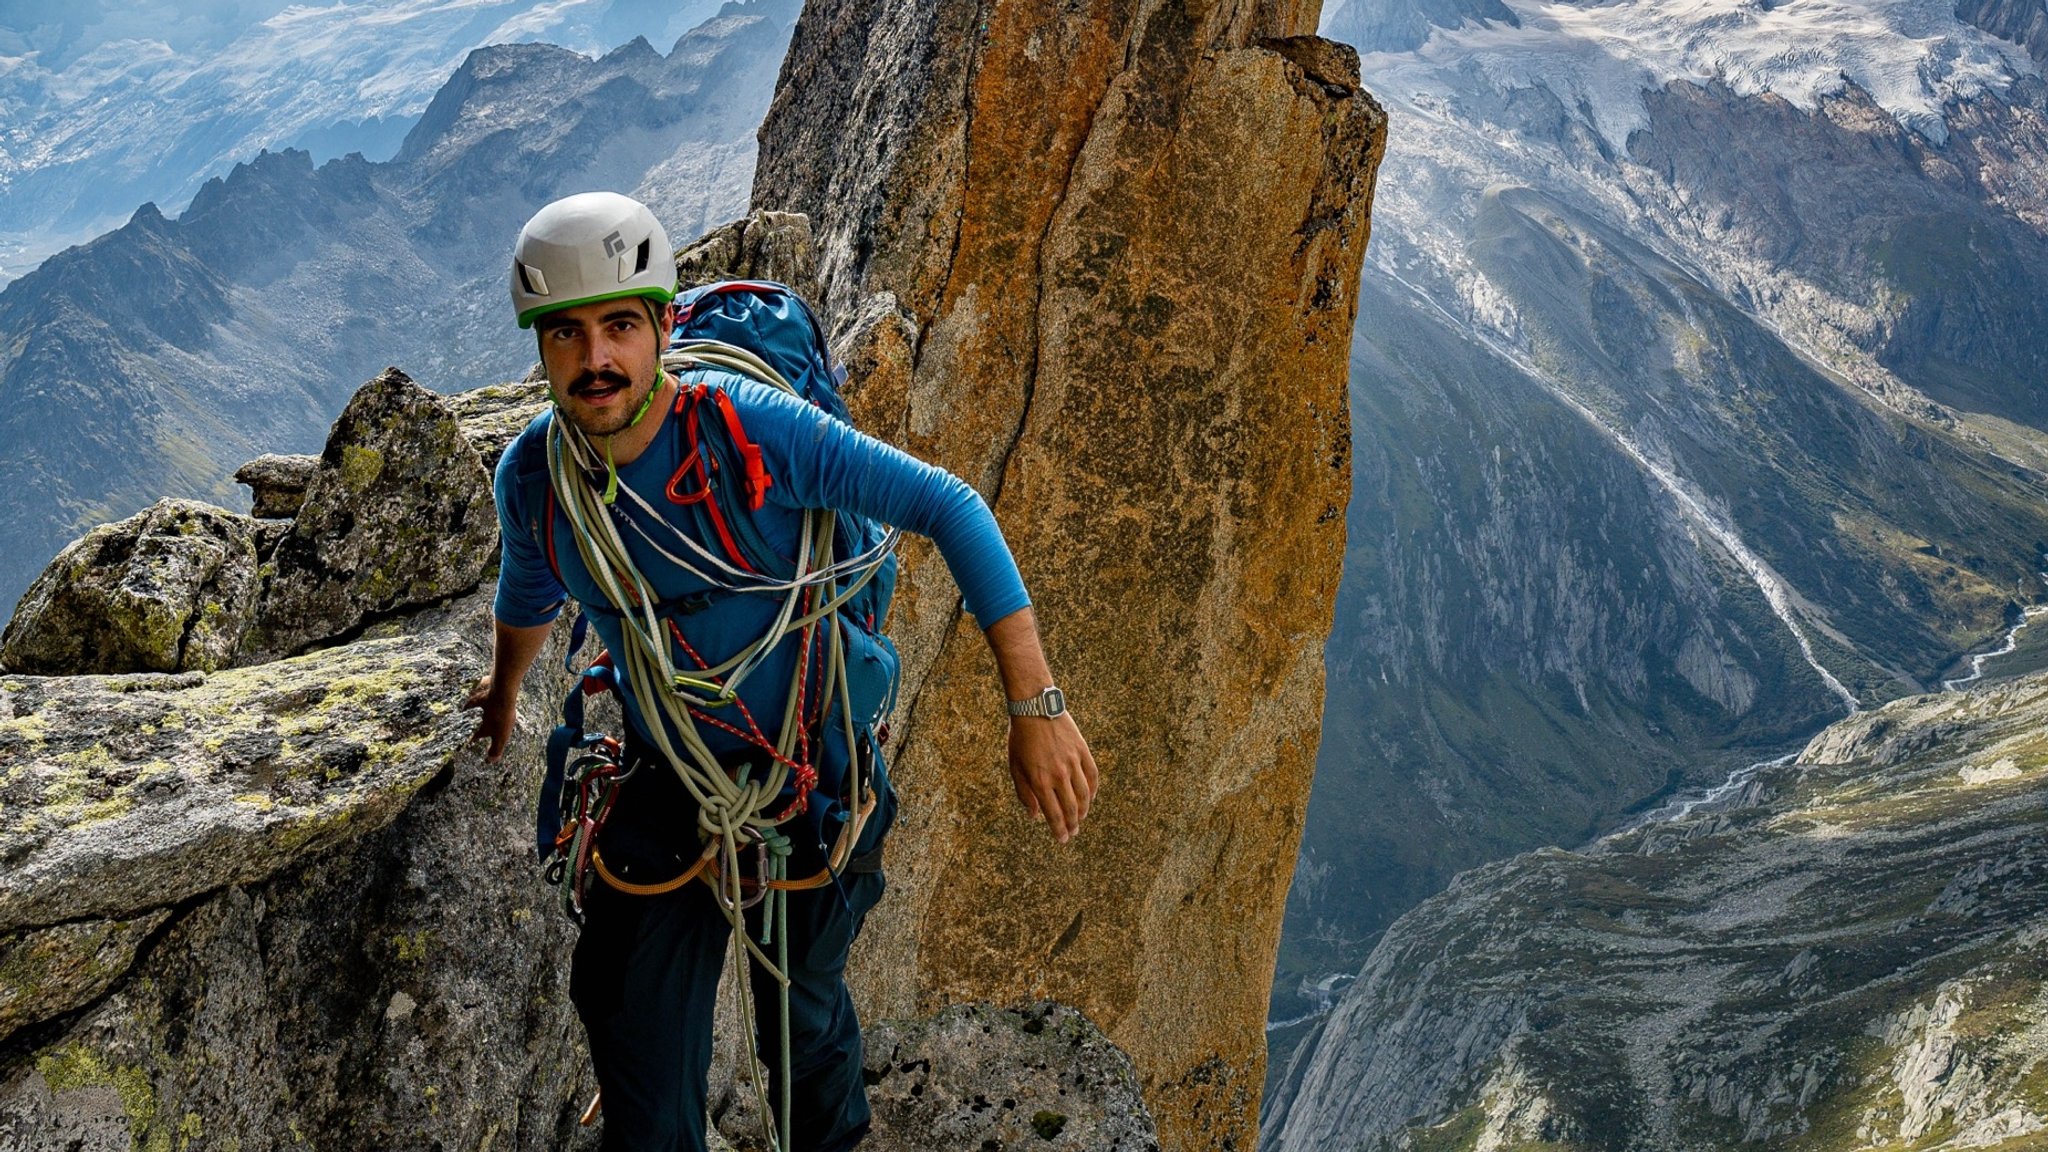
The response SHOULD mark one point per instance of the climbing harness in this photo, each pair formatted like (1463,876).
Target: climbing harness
(823,593)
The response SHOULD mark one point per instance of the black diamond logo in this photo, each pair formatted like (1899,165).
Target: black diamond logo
(613,245)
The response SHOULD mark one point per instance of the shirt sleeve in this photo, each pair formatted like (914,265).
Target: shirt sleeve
(819,462)
(528,592)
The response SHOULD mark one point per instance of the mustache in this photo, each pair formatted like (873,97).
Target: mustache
(589,381)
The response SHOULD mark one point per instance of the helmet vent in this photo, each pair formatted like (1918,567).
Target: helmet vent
(645,247)
(530,278)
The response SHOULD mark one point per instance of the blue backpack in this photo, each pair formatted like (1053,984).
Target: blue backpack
(774,323)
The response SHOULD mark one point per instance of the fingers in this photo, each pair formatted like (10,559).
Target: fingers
(1054,773)
(495,740)
(1074,807)
(495,725)
(1024,795)
(1055,802)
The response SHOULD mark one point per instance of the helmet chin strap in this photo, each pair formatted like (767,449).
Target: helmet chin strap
(611,470)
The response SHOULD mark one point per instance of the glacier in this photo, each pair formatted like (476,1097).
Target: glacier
(1914,57)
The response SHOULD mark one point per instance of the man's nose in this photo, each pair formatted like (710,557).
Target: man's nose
(601,354)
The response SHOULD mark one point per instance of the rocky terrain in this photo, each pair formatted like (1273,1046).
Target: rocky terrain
(286,903)
(310,909)
(1695,402)
(1054,276)
(161,356)
(1848,953)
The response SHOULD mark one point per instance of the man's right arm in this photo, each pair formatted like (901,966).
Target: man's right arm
(512,653)
(528,599)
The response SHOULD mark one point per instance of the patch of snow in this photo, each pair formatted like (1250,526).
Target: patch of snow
(2003,769)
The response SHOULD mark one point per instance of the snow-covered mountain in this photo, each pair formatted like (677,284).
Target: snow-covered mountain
(104,106)
(1700,395)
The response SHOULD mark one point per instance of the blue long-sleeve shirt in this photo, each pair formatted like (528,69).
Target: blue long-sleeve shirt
(815,462)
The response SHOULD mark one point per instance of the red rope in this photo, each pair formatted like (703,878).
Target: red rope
(805,776)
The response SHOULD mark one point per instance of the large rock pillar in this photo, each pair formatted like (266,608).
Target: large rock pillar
(1101,258)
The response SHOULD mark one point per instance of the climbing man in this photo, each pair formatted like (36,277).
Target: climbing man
(749,791)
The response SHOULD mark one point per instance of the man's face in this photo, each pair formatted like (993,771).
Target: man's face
(601,361)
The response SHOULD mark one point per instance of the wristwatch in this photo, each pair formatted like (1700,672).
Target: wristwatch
(1049,703)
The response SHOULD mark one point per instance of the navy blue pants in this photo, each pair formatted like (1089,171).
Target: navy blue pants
(645,975)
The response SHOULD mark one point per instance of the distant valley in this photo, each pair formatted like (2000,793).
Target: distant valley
(1697,399)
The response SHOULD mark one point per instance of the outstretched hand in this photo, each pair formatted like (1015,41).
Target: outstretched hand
(1053,770)
(500,710)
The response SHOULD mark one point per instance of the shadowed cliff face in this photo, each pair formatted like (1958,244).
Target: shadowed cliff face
(1102,263)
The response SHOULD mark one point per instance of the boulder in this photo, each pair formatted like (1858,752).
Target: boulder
(277,484)
(46,972)
(492,416)
(1103,257)
(169,589)
(130,793)
(343,938)
(398,515)
(974,1076)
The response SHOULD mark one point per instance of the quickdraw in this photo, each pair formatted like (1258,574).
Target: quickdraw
(590,788)
(584,772)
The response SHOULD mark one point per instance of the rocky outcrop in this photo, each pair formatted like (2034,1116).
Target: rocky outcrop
(491,416)
(398,515)
(170,589)
(773,246)
(299,871)
(1102,262)
(277,484)
(1848,954)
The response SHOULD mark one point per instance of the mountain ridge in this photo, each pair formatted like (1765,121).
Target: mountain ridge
(105,109)
(243,325)
(1843,953)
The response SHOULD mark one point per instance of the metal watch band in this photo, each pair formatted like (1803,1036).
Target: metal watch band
(1049,703)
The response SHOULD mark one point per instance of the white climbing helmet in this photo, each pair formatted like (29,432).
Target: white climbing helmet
(587,247)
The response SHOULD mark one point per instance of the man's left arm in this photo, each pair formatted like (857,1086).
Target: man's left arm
(820,462)
(1050,763)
